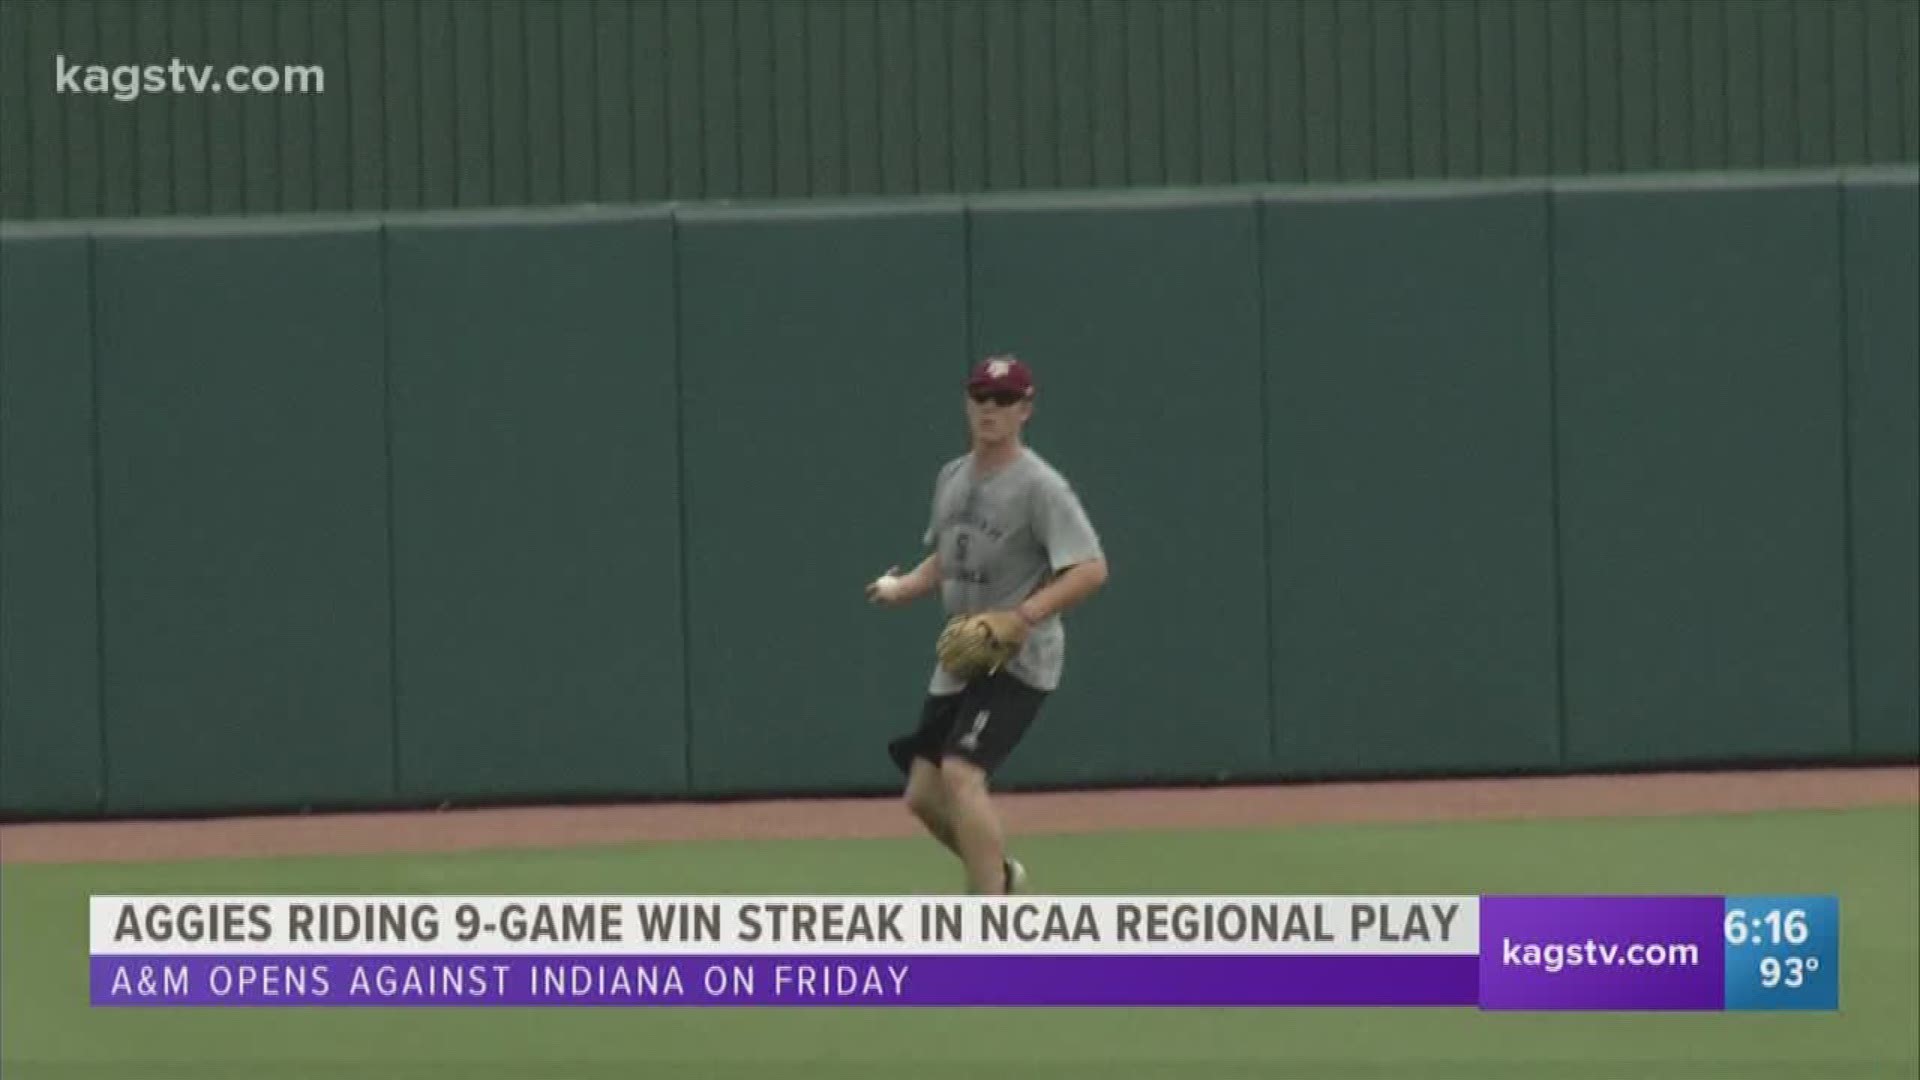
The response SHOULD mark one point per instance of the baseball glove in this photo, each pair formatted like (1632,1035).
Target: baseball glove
(975,645)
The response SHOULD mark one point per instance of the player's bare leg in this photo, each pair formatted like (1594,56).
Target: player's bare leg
(976,826)
(927,800)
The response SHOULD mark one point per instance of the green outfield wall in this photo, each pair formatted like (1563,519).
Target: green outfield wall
(1398,479)
(436,104)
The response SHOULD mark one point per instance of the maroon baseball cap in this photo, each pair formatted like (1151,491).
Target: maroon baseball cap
(1006,373)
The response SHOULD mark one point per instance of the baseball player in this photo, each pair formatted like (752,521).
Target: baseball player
(1011,549)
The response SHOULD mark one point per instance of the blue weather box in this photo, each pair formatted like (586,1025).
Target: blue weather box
(1783,952)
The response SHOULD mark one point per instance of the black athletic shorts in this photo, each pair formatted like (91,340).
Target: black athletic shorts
(982,723)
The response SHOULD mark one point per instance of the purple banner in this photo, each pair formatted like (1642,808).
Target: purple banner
(1603,953)
(678,981)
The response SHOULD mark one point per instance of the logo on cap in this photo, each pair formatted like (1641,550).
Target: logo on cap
(997,369)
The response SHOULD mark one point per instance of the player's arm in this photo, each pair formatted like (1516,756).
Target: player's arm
(1070,587)
(1062,526)
(896,589)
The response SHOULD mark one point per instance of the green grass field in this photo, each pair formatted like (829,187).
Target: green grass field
(1868,858)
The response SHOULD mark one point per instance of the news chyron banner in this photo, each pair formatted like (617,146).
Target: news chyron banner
(1687,953)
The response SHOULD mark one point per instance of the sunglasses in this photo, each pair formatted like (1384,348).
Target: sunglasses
(1002,398)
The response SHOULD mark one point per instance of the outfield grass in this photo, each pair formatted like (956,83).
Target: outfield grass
(1867,857)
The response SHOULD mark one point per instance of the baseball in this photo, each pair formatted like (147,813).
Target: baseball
(885,589)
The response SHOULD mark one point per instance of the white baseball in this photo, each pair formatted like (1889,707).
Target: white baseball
(889,586)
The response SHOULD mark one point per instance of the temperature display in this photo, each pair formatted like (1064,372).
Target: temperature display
(1783,952)
(1791,973)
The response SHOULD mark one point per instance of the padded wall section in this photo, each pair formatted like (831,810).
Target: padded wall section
(822,354)
(1700,437)
(244,538)
(1411,500)
(1142,322)
(536,508)
(1883,367)
(49,615)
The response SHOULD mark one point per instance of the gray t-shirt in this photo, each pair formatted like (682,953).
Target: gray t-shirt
(1002,537)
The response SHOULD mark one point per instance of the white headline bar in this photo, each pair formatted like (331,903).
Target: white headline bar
(844,925)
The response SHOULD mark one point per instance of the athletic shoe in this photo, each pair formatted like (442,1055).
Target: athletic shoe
(1016,876)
